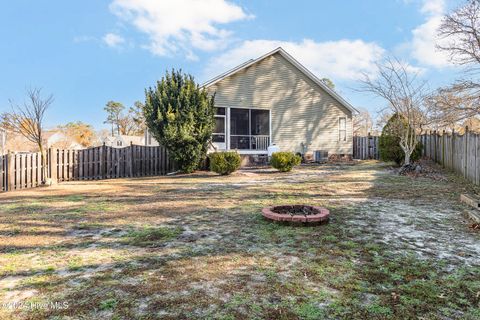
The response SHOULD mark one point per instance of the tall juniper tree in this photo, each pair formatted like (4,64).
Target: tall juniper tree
(180,115)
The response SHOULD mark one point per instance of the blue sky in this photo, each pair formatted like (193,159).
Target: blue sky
(89,52)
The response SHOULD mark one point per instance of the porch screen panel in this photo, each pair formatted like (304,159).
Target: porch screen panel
(239,129)
(260,122)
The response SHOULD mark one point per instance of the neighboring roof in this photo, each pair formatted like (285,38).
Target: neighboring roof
(108,139)
(133,139)
(293,61)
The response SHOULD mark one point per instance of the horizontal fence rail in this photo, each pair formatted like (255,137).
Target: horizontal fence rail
(365,147)
(24,170)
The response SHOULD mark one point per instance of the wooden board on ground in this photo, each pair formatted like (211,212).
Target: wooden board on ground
(470,200)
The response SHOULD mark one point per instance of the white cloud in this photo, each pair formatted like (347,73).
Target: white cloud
(180,25)
(113,40)
(343,59)
(424,37)
(433,7)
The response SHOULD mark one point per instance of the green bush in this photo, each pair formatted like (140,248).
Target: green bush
(224,162)
(285,161)
(180,115)
(389,142)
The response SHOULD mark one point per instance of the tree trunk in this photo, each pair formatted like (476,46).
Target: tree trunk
(407,158)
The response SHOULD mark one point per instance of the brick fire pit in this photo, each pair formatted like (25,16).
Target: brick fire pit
(296,213)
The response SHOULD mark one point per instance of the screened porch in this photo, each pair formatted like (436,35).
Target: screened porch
(243,129)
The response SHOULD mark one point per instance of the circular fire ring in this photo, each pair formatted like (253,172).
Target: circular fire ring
(296,213)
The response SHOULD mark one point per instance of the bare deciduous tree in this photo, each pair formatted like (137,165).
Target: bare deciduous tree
(362,123)
(3,140)
(455,104)
(459,35)
(27,120)
(405,96)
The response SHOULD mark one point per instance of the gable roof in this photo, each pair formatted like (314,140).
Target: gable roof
(293,61)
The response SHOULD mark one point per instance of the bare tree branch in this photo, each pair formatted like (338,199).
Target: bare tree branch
(27,119)
(460,38)
(405,95)
(460,32)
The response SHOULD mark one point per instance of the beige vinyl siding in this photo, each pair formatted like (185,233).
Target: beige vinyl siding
(301,110)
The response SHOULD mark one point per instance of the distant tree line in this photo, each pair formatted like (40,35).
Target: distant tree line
(125,121)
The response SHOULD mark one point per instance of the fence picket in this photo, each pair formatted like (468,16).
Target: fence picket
(20,171)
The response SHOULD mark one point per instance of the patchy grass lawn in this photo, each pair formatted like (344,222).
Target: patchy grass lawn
(196,247)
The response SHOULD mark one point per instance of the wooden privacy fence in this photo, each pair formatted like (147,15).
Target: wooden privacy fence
(24,170)
(20,171)
(365,147)
(459,153)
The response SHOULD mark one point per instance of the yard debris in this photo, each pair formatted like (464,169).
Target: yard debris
(470,200)
(407,168)
(475,226)
(424,168)
(472,214)
(395,296)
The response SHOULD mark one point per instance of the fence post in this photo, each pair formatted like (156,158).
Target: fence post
(476,157)
(52,164)
(453,149)
(11,171)
(443,149)
(368,146)
(465,152)
(102,161)
(132,160)
(425,145)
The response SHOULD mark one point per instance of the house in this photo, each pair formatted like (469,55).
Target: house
(149,140)
(274,100)
(121,141)
(51,139)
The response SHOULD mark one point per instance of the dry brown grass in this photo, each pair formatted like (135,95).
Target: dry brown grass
(213,256)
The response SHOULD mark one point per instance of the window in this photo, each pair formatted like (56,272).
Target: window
(219,131)
(220,111)
(342,129)
(119,143)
